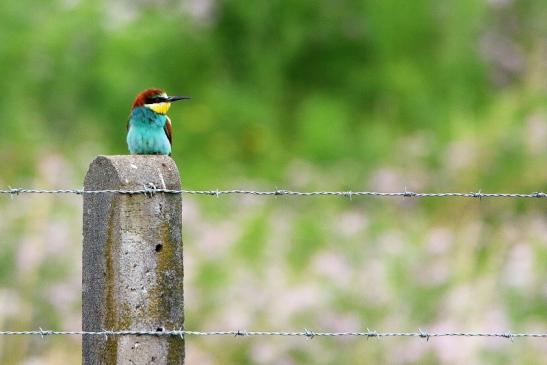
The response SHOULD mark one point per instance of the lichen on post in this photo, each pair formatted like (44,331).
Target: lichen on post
(132,261)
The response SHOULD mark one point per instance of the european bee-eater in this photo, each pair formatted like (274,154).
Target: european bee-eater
(149,130)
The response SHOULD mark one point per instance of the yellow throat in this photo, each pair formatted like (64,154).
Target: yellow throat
(160,108)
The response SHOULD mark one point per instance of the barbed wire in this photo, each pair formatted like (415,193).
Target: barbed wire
(244,333)
(150,189)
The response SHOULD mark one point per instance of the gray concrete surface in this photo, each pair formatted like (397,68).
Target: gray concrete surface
(132,261)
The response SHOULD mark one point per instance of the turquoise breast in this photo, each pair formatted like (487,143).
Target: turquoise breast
(146,135)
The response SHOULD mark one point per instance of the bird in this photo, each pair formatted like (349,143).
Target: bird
(149,130)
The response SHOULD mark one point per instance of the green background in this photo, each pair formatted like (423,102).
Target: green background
(431,96)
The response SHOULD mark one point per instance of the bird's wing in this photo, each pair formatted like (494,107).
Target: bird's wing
(168,130)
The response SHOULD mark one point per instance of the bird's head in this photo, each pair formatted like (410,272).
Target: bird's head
(156,100)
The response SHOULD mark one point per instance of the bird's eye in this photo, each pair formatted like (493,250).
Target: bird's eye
(154,100)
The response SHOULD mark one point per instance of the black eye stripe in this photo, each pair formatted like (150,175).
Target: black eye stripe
(155,100)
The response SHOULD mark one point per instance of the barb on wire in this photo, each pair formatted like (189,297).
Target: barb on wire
(309,334)
(148,190)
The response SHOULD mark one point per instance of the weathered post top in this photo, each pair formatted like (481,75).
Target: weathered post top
(132,261)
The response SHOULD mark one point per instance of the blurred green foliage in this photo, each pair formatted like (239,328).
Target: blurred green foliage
(349,94)
(271,81)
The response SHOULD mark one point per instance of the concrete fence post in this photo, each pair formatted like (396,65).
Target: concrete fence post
(132,262)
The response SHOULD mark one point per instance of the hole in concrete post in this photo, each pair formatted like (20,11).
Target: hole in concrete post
(159,247)
(159,329)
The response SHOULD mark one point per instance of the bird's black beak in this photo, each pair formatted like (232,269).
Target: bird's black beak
(175,98)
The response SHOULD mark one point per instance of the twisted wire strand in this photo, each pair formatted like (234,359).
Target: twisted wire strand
(348,194)
(244,333)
